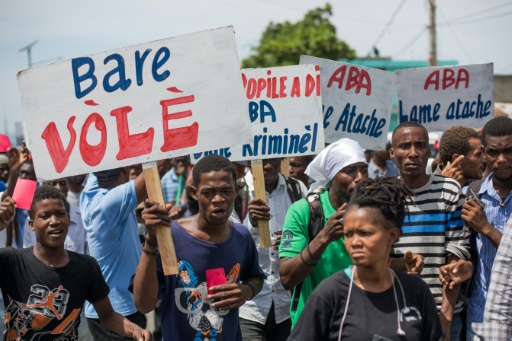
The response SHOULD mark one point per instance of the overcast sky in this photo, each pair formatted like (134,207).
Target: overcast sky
(469,31)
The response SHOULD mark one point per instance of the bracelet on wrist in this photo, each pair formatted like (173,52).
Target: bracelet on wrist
(305,261)
(149,252)
(150,241)
(252,288)
(311,255)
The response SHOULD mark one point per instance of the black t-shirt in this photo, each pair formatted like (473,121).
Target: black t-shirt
(370,316)
(44,303)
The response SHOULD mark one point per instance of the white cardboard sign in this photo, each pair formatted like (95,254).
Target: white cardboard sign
(285,108)
(357,102)
(135,104)
(442,97)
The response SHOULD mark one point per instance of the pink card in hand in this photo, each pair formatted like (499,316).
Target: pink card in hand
(24,193)
(215,277)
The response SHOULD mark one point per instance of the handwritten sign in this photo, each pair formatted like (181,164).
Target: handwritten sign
(136,104)
(285,110)
(357,102)
(443,97)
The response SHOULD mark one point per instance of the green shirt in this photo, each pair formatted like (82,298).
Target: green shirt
(295,239)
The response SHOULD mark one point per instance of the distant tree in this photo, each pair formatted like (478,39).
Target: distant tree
(283,44)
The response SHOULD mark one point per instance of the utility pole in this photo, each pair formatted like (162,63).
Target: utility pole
(432,31)
(28,48)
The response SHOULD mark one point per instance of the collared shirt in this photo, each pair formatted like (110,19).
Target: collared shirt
(172,184)
(497,215)
(376,172)
(258,308)
(497,323)
(109,220)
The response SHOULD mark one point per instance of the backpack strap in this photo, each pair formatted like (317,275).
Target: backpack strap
(316,215)
(293,188)
(473,189)
(316,223)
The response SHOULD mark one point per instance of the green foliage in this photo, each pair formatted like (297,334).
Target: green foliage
(284,43)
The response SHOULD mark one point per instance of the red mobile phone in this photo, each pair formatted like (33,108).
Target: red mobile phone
(215,277)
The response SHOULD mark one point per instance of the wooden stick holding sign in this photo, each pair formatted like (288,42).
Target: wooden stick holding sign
(163,232)
(285,166)
(259,192)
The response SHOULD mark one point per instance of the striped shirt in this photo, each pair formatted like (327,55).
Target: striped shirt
(497,216)
(434,229)
(498,308)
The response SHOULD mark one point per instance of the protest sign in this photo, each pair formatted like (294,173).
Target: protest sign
(357,102)
(136,104)
(442,97)
(286,114)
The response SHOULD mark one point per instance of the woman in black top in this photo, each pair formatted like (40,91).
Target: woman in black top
(369,300)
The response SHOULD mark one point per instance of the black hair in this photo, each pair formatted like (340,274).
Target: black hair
(387,194)
(408,124)
(46,192)
(212,163)
(455,140)
(498,126)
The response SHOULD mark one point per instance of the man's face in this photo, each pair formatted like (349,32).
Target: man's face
(181,165)
(297,167)
(77,180)
(411,151)
(346,180)
(215,195)
(27,172)
(61,184)
(498,153)
(135,170)
(4,172)
(51,223)
(473,164)
(271,168)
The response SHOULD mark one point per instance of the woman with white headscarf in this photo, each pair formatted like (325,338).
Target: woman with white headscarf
(307,260)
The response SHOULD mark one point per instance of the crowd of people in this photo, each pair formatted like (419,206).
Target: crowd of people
(366,245)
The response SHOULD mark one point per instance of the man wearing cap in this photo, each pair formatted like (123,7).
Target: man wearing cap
(108,204)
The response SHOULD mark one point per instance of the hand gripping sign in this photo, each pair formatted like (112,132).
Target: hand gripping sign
(136,104)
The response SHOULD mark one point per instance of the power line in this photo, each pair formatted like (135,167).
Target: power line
(374,45)
(455,36)
(412,41)
(480,12)
(477,19)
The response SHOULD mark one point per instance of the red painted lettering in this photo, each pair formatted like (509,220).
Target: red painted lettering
(462,76)
(282,86)
(295,87)
(448,79)
(51,136)
(178,138)
(92,155)
(131,145)
(337,77)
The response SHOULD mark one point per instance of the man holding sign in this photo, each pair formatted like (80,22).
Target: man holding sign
(210,249)
(108,204)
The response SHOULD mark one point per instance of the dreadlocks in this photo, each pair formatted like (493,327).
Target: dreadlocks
(387,194)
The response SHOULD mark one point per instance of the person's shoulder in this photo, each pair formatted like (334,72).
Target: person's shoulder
(333,284)
(241,230)
(10,251)
(445,182)
(411,281)
(81,259)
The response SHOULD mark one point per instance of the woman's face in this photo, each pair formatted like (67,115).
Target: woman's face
(367,239)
